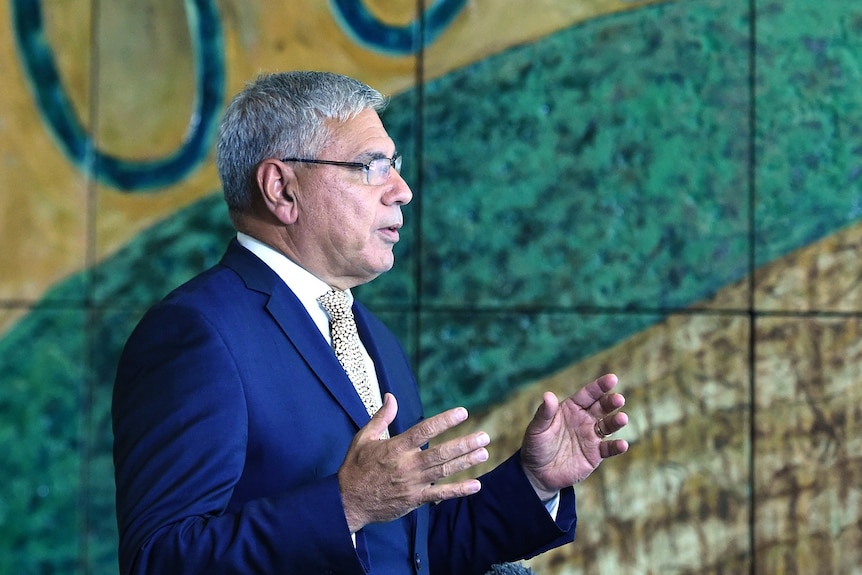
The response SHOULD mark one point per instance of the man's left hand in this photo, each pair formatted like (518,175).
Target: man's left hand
(566,441)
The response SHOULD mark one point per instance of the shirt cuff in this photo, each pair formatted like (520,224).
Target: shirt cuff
(553,505)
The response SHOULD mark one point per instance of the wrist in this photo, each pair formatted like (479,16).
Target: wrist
(542,492)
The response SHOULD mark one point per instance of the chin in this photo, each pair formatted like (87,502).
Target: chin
(384,263)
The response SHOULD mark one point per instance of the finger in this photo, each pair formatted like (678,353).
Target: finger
(590,394)
(434,474)
(427,429)
(613,447)
(454,456)
(615,422)
(610,424)
(451,490)
(611,402)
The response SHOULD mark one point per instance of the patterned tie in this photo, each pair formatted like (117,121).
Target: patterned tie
(345,342)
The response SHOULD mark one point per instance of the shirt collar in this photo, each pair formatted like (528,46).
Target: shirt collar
(306,286)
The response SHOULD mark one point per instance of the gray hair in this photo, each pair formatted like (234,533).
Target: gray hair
(283,115)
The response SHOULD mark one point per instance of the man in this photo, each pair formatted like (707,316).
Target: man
(243,445)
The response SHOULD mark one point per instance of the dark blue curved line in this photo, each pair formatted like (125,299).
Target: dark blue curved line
(366,29)
(58,111)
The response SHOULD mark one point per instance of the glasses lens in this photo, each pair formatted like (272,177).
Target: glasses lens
(378,171)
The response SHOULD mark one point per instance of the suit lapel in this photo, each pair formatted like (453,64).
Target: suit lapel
(395,382)
(293,320)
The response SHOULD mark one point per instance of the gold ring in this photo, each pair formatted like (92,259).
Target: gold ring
(598,428)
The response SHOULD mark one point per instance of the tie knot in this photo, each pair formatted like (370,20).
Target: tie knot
(335,304)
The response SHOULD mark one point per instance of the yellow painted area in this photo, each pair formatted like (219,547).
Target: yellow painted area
(144,89)
(43,201)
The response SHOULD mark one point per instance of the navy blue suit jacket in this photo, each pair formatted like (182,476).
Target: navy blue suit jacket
(231,418)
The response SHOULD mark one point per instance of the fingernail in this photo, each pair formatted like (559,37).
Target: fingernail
(483,439)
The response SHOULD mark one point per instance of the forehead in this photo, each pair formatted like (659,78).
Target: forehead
(361,134)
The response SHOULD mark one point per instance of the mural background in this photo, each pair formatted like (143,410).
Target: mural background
(667,190)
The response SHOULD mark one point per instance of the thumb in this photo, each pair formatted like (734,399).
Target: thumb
(545,412)
(380,421)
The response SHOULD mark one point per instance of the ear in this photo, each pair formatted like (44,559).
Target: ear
(277,184)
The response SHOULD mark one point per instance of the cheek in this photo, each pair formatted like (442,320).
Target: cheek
(358,219)
(350,216)
(350,230)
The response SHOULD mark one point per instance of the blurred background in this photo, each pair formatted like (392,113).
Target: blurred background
(668,190)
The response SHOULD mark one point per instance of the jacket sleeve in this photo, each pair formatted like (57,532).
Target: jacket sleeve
(505,521)
(180,437)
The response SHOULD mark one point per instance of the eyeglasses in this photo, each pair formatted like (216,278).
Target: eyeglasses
(376,171)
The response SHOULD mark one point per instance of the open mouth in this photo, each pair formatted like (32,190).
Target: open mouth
(391,232)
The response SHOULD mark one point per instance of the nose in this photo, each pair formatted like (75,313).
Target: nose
(399,192)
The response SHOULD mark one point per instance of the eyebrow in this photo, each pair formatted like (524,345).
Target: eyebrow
(368,156)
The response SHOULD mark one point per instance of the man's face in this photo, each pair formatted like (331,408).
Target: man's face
(348,227)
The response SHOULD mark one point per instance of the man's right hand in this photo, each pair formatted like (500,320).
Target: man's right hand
(384,479)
